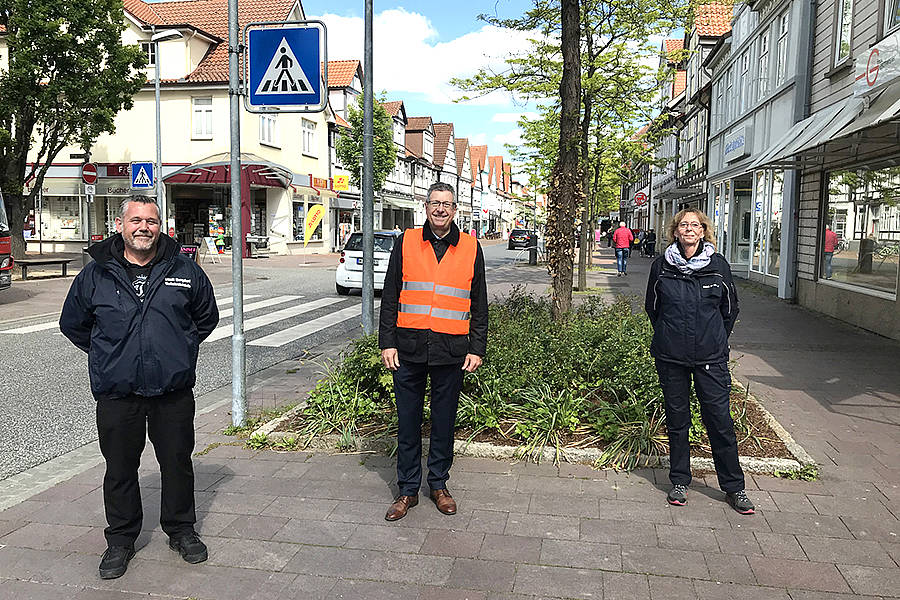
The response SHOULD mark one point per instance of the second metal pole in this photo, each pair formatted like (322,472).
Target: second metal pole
(368,215)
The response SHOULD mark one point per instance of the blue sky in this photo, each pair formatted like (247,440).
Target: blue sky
(419,46)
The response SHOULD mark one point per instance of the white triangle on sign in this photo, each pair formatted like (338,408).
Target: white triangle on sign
(142,179)
(284,75)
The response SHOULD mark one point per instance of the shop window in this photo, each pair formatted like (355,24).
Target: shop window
(843,30)
(202,118)
(760,200)
(61,218)
(782,49)
(309,137)
(773,265)
(301,208)
(268,130)
(860,239)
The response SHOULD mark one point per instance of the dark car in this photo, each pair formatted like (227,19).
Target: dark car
(521,238)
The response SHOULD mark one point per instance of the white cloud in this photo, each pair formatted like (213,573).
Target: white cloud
(513,117)
(479,139)
(407,57)
(512,137)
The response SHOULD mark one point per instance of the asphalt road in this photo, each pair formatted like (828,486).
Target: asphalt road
(46,408)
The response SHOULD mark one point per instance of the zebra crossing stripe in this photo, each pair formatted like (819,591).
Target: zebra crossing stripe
(33,328)
(230,299)
(225,331)
(224,314)
(280,338)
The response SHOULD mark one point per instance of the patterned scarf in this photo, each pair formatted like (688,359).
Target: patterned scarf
(700,260)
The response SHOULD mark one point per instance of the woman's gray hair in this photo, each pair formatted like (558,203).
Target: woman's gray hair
(139,198)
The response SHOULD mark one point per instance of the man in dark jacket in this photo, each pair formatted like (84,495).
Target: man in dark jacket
(434,320)
(140,311)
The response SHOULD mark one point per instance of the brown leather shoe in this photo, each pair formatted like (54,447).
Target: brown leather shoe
(400,507)
(444,501)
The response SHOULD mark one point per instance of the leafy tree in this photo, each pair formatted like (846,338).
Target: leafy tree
(68,77)
(349,146)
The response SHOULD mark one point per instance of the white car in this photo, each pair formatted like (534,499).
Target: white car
(349,272)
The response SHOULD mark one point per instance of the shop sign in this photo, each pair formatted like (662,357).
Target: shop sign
(313,218)
(56,187)
(877,67)
(341,183)
(116,190)
(320,183)
(117,169)
(736,144)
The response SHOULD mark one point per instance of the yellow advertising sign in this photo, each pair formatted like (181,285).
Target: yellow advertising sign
(313,218)
(341,183)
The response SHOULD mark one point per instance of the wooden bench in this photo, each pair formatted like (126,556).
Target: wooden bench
(40,262)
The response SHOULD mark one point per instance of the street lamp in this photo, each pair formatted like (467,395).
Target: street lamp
(155,39)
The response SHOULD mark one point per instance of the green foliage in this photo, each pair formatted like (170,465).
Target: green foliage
(804,473)
(257,441)
(349,146)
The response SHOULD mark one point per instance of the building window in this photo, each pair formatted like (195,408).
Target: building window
(860,239)
(717,107)
(844,26)
(782,49)
(309,137)
(729,93)
(745,82)
(202,119)
(762,87)
(149,49)
(268,130)
(891,15)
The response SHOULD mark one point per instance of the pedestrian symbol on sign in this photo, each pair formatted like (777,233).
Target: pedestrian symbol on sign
(284,75)
(142,179)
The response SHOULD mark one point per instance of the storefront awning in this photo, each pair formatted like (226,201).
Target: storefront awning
(884,108)
(216,169)
(810,133)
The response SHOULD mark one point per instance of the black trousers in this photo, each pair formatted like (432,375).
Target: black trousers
(123,426)
(713,385)
(409,389)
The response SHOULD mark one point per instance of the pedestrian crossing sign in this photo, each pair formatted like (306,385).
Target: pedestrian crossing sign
(283,67)
(142,175)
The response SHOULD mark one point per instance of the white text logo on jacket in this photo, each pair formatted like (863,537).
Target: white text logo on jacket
(177,282)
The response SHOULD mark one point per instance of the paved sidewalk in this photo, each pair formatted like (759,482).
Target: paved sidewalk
(309,526)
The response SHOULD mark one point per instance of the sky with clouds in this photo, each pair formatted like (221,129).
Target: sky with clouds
(419,46)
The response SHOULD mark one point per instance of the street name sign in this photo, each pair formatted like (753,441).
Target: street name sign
(283,67)
(89,173)
(142,175)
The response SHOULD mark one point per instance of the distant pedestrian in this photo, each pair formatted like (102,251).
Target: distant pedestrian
(140,311)
(692,303)
(831,242)
(609,237)
(650,244)
(622,238)
(433,325)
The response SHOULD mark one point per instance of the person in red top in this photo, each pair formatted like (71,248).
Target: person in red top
(622,238)
(831,242)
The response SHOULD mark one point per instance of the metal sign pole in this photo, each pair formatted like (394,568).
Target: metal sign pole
(368,289)
(238,349)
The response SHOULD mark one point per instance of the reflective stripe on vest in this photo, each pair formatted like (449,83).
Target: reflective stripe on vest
(436,296)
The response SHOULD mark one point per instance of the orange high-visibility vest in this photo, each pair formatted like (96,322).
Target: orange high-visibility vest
(436,295)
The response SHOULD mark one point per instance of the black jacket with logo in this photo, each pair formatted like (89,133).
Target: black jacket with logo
(692,314)
(148,348)
(424,345)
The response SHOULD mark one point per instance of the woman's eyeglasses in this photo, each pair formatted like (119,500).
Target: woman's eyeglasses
(686,225)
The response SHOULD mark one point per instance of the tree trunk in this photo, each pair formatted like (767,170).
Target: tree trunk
(583,249)
(566,180)
(16,212)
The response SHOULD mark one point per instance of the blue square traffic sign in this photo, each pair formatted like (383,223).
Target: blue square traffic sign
(142,176)
(284,67)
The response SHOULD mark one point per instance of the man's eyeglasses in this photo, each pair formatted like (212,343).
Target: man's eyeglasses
(437,203)
(686,225)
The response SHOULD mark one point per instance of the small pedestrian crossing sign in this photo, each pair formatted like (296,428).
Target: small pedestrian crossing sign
(142,175)
(283,67)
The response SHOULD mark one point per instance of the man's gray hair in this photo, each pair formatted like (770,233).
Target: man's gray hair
(139,198)
(440,186)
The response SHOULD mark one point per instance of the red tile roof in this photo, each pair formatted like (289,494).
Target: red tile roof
(340,121)
(507,177)
(210,16)
(418,123)
(413,143)
(477,158)
(461,145)
(443,136)
(713,18)
(393,108)
(495,174)
(679,84)
(673,45)
(341,72)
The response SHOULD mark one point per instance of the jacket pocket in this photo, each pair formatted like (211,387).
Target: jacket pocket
(459,346)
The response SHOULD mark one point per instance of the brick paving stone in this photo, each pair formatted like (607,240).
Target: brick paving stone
(255,527)
(250,554)
(729,568)
(8,526)
(851,552)
(65,492)
(483,575)
(876,581)
(737,542)
(227,483)
(319,533)
(245,466)
(357,512)
(695,516)
(75,513)
(303,587)
(893,550)
(275,486)
(776,484)
(671,588)
(41,536)
(343,490)
(510,548)
(381,537)
(212,523)
(292,469)
(796,523)
(452,543)
(352,589)
(780,572)
(626,585)
(26,590)
(687,538)
(598,488)
(488,521)
(498,482)
(22,510)
(488,499)
(91,542)
(808,595)
(619,532)
(532,484)
(709,590)
(481,465)
(868,528)
(559,582)
(583,471)
(300,508)
(649,512)
(543,526)
(566,506)
(427,516)
(236,503)
(659,561)
(779,545)
(851,506)
(95,594)
(443,593)
(579,554)
(371,564)
(792,502)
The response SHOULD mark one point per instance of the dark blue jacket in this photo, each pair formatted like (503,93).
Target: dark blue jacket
(692,315)
(148,348)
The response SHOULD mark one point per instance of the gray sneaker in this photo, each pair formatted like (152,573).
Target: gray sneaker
(678,495)
(740,502)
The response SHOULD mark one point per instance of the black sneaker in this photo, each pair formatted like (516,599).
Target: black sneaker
(114,561)
(190,547)
(740,502)
(678,495)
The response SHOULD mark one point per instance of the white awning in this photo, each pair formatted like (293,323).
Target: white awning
(882,109)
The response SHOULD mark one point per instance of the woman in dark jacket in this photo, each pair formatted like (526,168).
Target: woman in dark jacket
(692,304)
